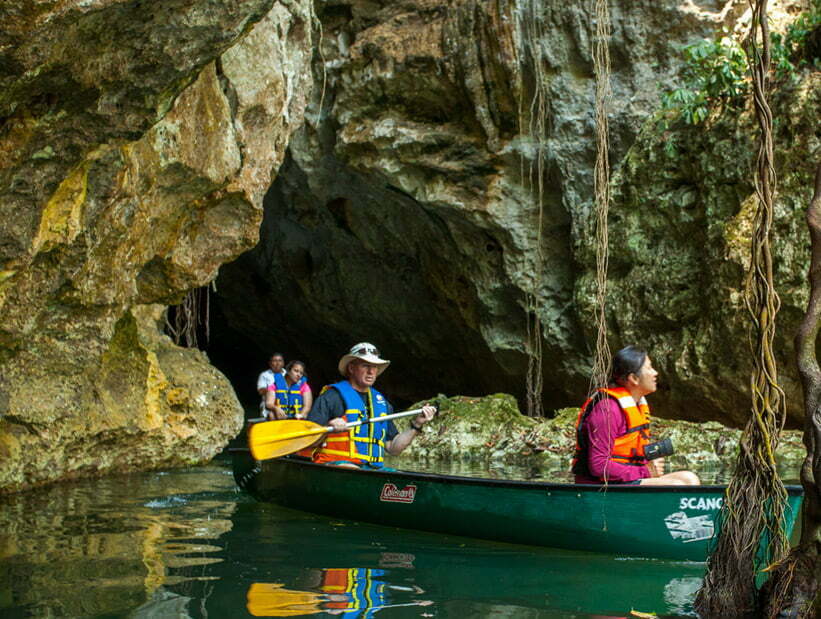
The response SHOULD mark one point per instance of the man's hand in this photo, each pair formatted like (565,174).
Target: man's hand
(338,424)
(403,439)
(275,414)
(428,413)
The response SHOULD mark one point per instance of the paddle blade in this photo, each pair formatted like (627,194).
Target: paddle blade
(272,439)
(273,600)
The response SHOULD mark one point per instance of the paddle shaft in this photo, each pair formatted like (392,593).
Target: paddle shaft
(324,429)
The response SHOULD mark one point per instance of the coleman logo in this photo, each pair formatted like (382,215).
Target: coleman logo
(394,495)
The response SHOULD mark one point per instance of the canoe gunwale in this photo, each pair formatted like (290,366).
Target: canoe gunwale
(793,490)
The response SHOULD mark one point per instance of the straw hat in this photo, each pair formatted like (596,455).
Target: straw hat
(366,352)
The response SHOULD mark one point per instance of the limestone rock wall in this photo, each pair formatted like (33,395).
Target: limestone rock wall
(682,221)
(404,213)
(137,142)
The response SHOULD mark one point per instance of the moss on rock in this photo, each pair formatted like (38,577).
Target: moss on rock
(492,429)
(468,428)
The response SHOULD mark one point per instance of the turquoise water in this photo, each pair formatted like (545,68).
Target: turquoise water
(187,544)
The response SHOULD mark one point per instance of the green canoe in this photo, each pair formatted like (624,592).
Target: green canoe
(674,522)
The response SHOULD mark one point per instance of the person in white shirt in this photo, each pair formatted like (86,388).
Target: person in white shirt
(276,365)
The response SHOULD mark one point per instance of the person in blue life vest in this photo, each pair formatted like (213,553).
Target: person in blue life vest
(613,443)
(359,593)
(289,397)
(353,399)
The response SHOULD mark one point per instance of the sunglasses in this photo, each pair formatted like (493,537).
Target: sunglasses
(365,350)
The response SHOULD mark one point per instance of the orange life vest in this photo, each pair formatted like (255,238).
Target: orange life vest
(363,593)
(336,581)
(627,448)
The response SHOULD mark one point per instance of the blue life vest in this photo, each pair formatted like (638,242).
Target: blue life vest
(281,387)
(289,398)
(365,442)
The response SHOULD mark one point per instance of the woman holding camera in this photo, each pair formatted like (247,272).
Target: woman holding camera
(613,443)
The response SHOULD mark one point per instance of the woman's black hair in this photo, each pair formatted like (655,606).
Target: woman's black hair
(629,360)
(292,364)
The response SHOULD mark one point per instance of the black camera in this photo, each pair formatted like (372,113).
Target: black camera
(659,449)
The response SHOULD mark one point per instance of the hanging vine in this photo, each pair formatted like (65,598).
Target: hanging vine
(752,534)
(534,118)
(186,321)
(601,67)
(792,588)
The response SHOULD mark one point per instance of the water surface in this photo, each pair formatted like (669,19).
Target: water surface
(186,543)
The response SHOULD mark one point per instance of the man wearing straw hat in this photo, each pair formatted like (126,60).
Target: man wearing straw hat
(355,399)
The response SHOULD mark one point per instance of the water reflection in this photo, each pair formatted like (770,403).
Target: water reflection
(399,570)
(109,546)
(349,592)
(273,600)
(186,544)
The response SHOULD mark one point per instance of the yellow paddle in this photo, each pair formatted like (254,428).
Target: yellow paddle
(272,439)
(273,600)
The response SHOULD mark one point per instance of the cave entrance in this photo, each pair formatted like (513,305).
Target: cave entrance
(351,260)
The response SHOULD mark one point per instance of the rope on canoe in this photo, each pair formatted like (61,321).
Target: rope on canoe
(751,515)
(601,67)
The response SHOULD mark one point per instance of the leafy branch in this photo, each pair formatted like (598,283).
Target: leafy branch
(715,77)
(715,72)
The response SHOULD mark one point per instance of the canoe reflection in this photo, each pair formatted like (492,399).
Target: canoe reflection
(348,592)
(461,577)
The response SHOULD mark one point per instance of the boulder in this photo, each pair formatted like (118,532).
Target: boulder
(138,141)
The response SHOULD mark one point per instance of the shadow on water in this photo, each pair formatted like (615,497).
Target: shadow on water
(186,544)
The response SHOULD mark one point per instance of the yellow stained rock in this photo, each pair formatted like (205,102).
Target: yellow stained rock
(9,446)
(61,219)
(178,396)
(155,384)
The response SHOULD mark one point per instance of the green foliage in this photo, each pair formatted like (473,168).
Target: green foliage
(799,46)
(714,77)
